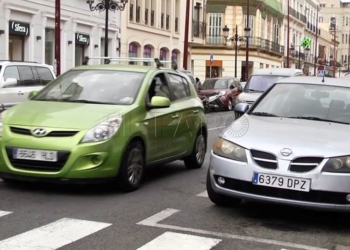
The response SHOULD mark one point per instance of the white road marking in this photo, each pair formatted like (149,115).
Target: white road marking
(53,236)
(203,194)
(177,241)
(153,222)
(209,129)
(3,213)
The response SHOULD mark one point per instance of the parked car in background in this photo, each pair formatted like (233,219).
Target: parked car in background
(85,126)
(222,92)
(261,80)
(18,79)
(291,147)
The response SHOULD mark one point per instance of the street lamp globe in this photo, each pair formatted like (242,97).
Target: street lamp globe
(225,31)
(247,31)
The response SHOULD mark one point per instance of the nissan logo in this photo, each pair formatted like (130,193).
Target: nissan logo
(39,132)
(286,152)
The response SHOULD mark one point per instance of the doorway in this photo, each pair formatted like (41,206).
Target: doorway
(16,48)
(79,54)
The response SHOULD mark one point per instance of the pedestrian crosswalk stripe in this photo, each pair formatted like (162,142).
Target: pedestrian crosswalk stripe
(53,236)
(3,213)
(203,194)
(178,241)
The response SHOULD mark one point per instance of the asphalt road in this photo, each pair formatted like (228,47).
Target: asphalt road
(165,213)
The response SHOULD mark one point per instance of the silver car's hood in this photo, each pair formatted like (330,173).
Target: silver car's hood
(249,96)
(303,137)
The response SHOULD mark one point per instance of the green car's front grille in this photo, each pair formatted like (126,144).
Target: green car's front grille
(62,157)
(24,131)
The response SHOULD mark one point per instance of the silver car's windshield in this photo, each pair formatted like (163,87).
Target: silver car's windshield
(260,83)
(306,101)
(94,86)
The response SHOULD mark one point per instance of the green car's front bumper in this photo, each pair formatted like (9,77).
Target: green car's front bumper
(75,161)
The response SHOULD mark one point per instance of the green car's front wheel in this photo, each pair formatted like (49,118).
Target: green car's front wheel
(132,167)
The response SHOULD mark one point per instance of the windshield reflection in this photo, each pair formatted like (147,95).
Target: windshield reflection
(215,84)
(260,83)
(304,101)
(94,86)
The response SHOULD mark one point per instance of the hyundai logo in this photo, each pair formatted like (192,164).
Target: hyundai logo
(39,132)
(286,152)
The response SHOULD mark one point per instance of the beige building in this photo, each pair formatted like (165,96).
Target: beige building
(153,28)
(265,40)
(341,11)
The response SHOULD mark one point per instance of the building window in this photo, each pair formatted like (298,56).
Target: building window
(276,32)
(320,19)
(262,33)
(133,51)
(163,54)
(131,12)
(174,56)
(147,53)
(215,28)
(49,46)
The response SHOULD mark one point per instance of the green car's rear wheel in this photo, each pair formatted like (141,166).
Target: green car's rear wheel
(132,167)
(196,158)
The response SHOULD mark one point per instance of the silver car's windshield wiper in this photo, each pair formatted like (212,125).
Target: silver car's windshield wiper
(313,118)
(264,114)
(254,90)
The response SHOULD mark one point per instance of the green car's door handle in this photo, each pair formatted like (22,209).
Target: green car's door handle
(195,111)
(175,116)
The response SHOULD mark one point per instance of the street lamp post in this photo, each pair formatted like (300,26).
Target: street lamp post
(247,34)
(107,5)
(234,39)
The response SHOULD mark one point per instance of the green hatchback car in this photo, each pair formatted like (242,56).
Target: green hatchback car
(104,122)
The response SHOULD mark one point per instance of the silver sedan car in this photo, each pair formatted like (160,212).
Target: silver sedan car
(292,146)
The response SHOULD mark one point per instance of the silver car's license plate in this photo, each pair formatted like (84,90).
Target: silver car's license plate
(284,182)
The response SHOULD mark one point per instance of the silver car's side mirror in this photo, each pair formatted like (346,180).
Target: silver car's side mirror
(241,108)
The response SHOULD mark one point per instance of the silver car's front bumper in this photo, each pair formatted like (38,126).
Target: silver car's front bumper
(327,191)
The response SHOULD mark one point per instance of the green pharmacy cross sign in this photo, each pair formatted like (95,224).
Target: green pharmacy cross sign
(306,43)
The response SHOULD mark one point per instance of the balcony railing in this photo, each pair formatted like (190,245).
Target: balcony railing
(312,28)
(297,15)
(263,45)
(198,29)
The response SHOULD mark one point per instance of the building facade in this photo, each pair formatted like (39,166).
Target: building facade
(153,28)
(217,41)
(340,10)
(303,25)
(27,32)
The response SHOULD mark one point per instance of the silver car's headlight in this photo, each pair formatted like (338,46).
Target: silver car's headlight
(337,165)
(2,117)
(103,131)
(229,150)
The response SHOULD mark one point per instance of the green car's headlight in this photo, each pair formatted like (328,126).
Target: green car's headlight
(2,117)
(229,150)
(337,165)
(103,131)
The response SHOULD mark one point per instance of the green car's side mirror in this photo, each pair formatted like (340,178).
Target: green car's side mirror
(159,102)
(32,94)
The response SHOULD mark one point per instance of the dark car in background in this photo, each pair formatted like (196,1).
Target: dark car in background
(222,92)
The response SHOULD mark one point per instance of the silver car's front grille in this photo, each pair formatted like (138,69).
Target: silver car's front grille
(264,159)
(304,164)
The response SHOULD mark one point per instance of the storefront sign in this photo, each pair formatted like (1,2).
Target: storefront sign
(18,28)
(82,39)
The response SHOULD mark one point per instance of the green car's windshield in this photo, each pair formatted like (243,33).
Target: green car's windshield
(94,86)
